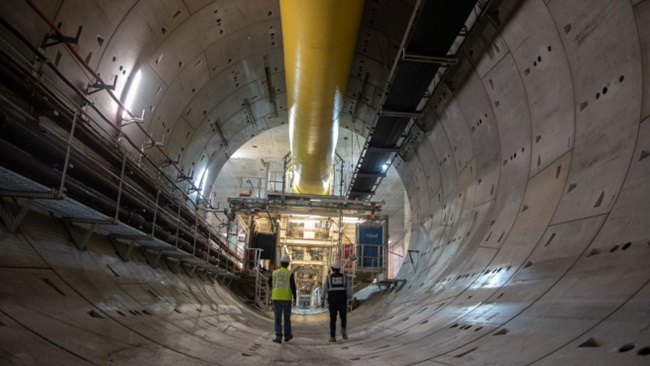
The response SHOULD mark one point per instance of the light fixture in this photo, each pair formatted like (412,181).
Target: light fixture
(351,220)
(130,96)
(303,221)
(204,177)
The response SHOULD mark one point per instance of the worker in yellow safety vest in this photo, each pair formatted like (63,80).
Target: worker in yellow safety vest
(283,288)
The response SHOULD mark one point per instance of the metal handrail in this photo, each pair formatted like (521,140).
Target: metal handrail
(146,167)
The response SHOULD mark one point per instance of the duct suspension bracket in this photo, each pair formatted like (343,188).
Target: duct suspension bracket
(99,86)
(13,221)
(60,38)
(446,60)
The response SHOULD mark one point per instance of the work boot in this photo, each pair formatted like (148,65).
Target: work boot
(332,340)
(288,338)
(277,340)
(344,334)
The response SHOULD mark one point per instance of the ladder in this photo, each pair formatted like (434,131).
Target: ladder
(262,291)
(261,281)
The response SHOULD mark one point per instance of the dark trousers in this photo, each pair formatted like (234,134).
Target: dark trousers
(282,307)
(338,305)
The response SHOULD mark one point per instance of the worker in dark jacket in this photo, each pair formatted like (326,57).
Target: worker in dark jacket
(283,288)
(338,289)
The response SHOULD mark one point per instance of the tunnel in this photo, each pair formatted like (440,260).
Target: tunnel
(517,133)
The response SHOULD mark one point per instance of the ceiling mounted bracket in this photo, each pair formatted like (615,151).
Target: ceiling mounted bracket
(387,112)
(60,38)
(99,86)
(446,60)
(395,149)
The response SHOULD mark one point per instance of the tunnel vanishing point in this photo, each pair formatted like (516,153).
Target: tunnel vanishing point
(520,131)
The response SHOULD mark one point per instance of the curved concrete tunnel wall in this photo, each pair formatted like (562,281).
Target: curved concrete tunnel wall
(530,215)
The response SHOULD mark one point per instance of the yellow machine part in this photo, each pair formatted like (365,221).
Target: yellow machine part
(319,40)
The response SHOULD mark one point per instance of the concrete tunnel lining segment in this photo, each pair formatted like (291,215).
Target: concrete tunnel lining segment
(527,186)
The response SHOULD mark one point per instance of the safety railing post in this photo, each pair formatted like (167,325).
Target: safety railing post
(107,134)
(178,222)
(155,213)
(341,178)
(207,258)
(119,191)
(67,154)
(196,224)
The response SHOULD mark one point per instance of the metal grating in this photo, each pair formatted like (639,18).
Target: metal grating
(422,54)
(12,184)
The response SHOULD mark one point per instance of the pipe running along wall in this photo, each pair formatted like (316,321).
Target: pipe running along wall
(319,39)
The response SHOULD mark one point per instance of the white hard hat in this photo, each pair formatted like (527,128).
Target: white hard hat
(336,265)
(284,259)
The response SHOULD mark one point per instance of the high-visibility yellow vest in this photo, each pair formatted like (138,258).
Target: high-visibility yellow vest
(281,285)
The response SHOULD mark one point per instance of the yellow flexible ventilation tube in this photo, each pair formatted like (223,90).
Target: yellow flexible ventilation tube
(319,39)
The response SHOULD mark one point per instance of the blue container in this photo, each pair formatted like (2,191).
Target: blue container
(370,256)
(370,249)
(370,235)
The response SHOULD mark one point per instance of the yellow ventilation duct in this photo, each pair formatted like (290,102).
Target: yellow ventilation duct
(319,39)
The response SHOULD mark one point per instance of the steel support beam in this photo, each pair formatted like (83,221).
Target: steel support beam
(439,60)
(387,112)
(13,221)
(395,149)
